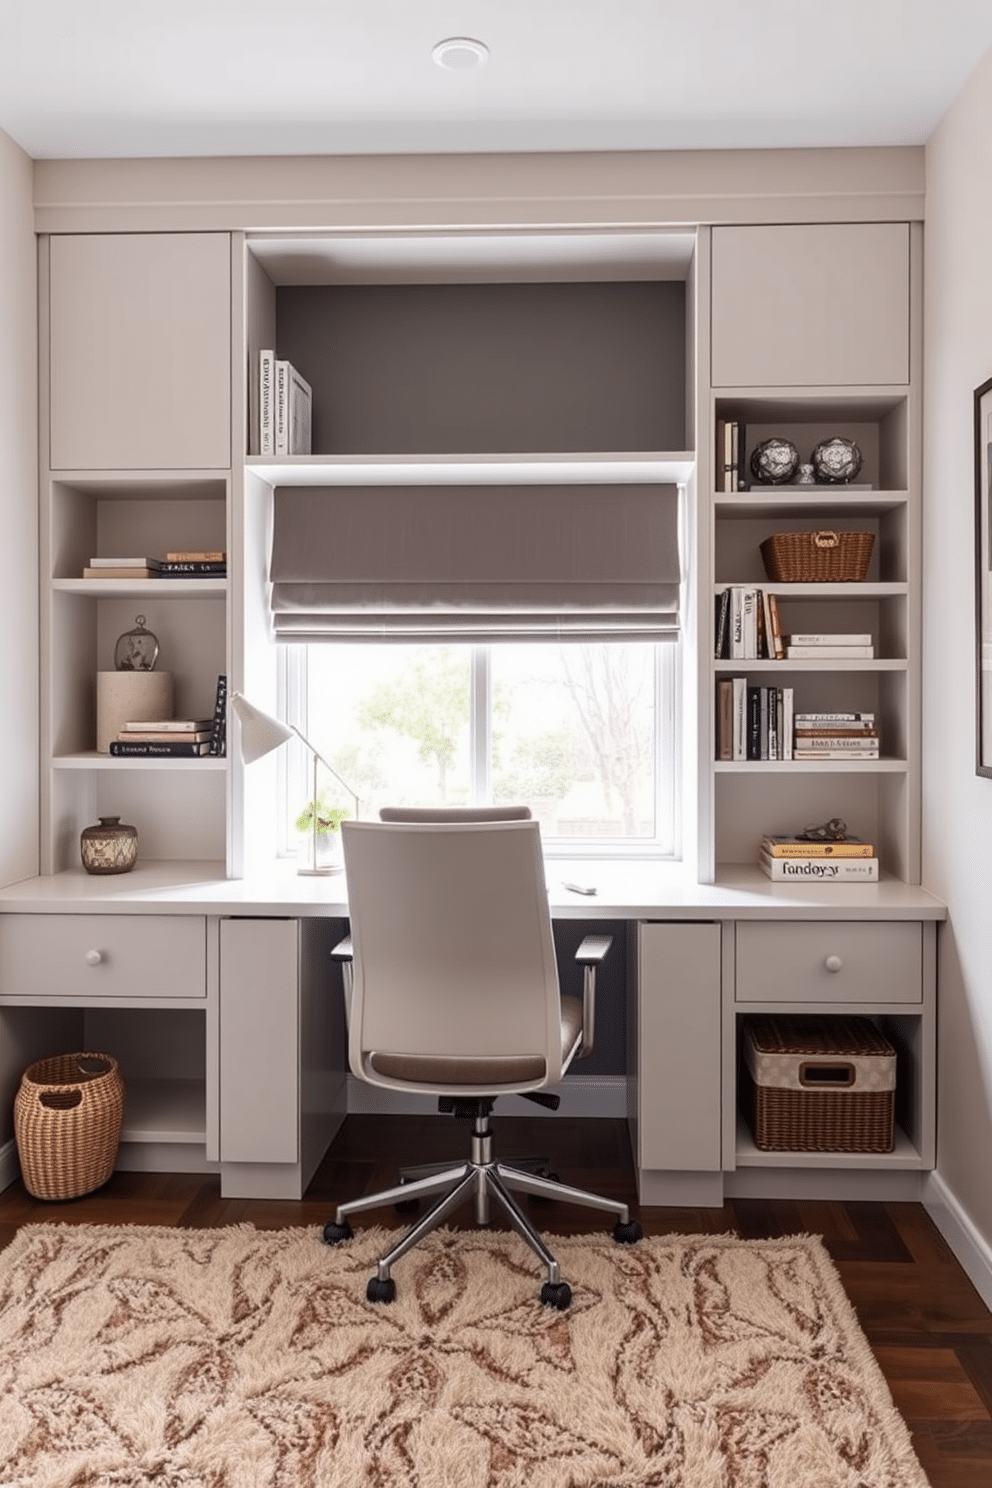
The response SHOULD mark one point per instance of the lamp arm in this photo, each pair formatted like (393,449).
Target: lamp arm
(330,768)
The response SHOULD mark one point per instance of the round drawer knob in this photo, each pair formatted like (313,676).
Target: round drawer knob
(93,958)
(833,963)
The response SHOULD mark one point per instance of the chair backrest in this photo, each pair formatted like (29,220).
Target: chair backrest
(454,956)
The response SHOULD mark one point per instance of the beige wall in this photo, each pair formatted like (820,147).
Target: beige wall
(957,804)
(18,518)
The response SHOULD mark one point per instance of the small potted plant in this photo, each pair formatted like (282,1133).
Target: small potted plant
(322,824)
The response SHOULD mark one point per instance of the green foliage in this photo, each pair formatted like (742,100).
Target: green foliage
(430,705)
(329,818)
(540,767)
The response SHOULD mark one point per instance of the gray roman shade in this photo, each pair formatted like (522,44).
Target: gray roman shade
(475,563)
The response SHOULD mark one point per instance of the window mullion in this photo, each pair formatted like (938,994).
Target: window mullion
(480,727)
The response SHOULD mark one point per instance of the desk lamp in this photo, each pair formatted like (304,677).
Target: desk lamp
(260,734)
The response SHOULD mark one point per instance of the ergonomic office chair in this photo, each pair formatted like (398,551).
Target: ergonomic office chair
(451,988)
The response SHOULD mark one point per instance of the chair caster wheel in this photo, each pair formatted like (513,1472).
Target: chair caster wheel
(629,1233)
(336,1234)
(381,1291)
(557,1295)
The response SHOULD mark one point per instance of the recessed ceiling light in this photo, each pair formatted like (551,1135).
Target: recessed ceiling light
(458,53)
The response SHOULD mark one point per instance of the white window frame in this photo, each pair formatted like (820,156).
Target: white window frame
(294,760)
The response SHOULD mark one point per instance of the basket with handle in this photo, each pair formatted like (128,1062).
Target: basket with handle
(68,1114)
(826,557)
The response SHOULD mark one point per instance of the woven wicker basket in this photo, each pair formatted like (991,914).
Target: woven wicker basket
(819,1084)
(67,1124)
(817,557)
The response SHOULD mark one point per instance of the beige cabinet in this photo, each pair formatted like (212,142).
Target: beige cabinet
(140,351)
(282,1053)
(674,1080)
(807,305)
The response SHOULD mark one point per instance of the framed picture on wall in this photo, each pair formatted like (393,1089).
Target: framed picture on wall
(983,576)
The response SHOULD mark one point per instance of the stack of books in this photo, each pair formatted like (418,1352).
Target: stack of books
(850,736)
(796,860)
(123,568)
(197,563)
(819,647)
(174,738)
(194,563)
(285,408)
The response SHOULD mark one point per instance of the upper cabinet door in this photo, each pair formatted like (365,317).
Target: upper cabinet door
(811,306)
(140,346)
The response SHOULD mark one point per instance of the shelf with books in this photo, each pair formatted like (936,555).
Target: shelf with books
(875,419)
(108,521)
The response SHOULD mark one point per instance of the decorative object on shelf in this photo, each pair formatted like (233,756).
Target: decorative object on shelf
(325,820)
(129,697)
(817,557)
(983,578)
(133,692)
(111,846)
(774,462)
(806,476)
(834,830)
(68,1114)
(260,733)
(137,649)
(836,461)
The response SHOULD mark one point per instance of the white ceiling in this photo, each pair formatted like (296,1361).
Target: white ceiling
(101,78)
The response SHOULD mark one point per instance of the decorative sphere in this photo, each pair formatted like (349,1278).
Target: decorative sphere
(774,462)
(836,460)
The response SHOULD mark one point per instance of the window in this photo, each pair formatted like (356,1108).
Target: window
(586,735)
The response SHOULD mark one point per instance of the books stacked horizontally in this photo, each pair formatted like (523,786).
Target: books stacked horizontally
(285,408)
(851,736)
(123,568)
(199,563)
(174,738)
(819,647)
(195,563)
(798,860)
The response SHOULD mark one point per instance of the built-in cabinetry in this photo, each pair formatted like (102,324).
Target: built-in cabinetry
(461,358)
(136,342)
(815,333)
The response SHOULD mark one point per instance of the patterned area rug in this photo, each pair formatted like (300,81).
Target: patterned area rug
(241,1358)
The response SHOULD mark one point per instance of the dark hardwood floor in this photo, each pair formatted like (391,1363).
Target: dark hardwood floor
(929,1329)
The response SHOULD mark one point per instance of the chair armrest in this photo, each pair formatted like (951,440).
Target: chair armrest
(591,953)
(594,948)
(344,952)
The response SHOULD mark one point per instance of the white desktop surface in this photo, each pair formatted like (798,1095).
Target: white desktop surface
(626,890)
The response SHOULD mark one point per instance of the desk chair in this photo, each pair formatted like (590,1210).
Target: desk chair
(451,988)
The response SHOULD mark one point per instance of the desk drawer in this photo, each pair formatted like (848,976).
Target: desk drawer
(126,956)
(830,961)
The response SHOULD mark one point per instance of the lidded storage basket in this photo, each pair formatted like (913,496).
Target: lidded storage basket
(67,1122)
(817,557)
(819,1084)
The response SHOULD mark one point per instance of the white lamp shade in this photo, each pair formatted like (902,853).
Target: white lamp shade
(260,732)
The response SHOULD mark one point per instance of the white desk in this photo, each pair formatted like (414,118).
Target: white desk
(233,1064)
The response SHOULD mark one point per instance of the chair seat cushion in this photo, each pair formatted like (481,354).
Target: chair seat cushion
(488,1071)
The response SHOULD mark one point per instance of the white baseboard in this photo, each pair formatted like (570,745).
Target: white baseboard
(581,1095)
(969,1246)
